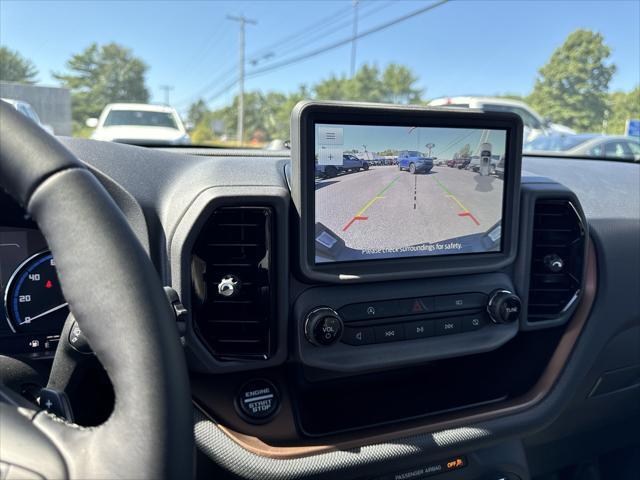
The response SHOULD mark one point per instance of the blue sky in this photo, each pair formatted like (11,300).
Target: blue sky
(461,47)
(447,141)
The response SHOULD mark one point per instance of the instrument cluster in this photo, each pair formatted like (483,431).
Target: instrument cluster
(32,307)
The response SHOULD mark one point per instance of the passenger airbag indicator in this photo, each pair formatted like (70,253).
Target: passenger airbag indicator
(428,470)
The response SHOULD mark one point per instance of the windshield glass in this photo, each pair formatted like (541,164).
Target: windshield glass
(233,70)
(560,143)
(139,118)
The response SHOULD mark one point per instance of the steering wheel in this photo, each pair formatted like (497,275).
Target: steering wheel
(117,298)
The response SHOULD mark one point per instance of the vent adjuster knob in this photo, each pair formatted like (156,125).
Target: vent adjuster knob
(229,286)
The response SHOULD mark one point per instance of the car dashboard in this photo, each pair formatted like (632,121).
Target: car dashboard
(421,380)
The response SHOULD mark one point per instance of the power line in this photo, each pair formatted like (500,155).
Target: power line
(340,43)
(456,142)
(303,40)
(362,14)
(212,84)
(222,91)
(300,33)
(332,46)
(199,54)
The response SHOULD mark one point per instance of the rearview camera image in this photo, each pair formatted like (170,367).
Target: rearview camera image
(398,191)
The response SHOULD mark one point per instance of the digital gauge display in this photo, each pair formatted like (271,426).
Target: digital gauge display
(33,299)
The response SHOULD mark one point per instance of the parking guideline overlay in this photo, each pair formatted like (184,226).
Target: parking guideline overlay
(465,211)
(359,215)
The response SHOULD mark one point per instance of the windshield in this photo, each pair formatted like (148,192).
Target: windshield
(560,143)
(139,118)
(233,70)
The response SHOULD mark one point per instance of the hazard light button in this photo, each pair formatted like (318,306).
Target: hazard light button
(387,308)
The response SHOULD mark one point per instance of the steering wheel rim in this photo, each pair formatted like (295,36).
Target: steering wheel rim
(116,296)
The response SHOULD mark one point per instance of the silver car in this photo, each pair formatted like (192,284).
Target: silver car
(616,147)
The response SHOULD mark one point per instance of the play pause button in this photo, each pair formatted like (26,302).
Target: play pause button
(418,329)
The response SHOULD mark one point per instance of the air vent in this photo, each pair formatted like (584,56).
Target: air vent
(556,260)
(232,276)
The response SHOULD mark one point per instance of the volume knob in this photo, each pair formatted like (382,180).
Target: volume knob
(504,306)
(323,327)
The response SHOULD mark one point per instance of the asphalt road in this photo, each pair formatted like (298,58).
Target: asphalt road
(386,208)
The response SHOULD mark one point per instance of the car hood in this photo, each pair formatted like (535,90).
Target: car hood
(138,134)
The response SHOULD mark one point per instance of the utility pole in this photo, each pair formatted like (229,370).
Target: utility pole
(353,38)
(166,89)
(242,20)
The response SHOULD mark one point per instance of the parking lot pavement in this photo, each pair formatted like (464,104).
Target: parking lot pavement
(386,208)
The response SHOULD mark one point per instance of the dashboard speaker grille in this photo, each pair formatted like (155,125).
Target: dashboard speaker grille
(232,276)
(557,259)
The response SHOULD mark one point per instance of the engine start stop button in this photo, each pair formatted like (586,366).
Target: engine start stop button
(258,400)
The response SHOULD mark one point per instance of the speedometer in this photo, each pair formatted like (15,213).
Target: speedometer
(33,299)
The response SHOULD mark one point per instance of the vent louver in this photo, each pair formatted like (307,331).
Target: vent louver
(234,247)
(557,258)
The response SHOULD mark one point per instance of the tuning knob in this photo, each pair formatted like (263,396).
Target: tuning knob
(504,306)
(323,327)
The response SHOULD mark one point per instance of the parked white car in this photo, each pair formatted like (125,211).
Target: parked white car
(140,124)
(534,124)
(27,110)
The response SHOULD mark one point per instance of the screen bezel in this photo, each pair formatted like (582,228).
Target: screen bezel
(304,119)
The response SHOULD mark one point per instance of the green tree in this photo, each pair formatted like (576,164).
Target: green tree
(465,152)
(572,87)
(100,75)
(15,68)
(398,85)
(202,133)
(333,88)
(282,116)
(366,85)
(197,112)
(395,84)
(268,114)
(622,107)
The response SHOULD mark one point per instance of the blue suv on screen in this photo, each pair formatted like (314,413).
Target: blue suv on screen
(414,162)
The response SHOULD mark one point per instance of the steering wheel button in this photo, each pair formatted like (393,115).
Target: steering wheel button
(258,401)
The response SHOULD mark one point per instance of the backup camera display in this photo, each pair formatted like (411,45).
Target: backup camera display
(398,191)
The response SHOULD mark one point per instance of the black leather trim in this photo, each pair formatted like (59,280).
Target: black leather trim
(117,298)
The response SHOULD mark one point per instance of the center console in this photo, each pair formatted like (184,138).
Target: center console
(358,328)
(429,285)
(409,253)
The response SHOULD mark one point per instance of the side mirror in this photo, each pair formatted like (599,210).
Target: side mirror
(189,126)
(92,122)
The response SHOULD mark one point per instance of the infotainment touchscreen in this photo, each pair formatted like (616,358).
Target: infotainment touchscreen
(384,191)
